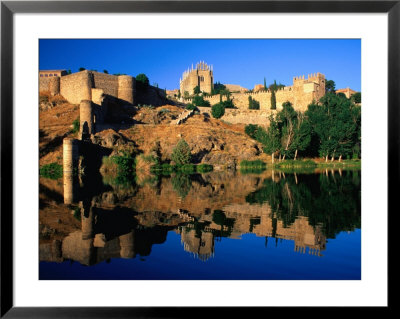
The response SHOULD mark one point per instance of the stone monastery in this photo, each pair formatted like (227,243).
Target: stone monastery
(303,91)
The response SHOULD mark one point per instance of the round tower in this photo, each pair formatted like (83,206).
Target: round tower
(126,88)
(86,117)
(86,85)
(54,85)
(70,163)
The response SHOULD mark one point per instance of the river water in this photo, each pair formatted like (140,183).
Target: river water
(219,225)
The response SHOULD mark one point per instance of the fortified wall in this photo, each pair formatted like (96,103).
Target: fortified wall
(303,92)
(93,91)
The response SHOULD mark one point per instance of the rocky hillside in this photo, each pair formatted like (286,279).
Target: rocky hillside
(211,141)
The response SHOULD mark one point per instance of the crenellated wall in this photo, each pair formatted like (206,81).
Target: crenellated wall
(303,92)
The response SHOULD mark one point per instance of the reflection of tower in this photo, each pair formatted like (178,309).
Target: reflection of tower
(201,247)
(127,245)
(70,164)
(87,218)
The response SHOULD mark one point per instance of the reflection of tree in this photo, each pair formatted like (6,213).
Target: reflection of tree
(333,201)
(181,184)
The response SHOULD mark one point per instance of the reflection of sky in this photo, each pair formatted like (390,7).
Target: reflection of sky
(245,258)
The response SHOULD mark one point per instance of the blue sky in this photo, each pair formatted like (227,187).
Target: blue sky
(240,61)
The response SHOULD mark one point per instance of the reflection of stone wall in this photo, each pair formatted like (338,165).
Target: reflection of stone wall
(201,247)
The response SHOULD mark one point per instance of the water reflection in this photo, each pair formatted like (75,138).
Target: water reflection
(125,220)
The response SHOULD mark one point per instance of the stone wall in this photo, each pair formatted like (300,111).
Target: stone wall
(44,84)
(303,92)
(151,96)
(107,82)
(241,116)
(77,87)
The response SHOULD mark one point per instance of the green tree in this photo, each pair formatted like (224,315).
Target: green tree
(330,86)
(302,134)
(273,100)
(81,69)
(105,71)
(251,130)
(253,104)
(265,84)
(287,119)
(196,90)
(142,79)
(356,97)
(199,101)
(217,110)
(218,87)
(179,94)
(337,123)
(272,142)
(181,153)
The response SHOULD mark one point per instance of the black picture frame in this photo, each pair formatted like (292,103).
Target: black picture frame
(9,8)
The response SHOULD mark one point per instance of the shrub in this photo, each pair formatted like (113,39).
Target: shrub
(199,101)
(181,153)
(190,107)
(77,213)
(142,79)
(256,163)
(52,171)
(228,104)
(125,162)
(218,110)
(76,125)
(251,130)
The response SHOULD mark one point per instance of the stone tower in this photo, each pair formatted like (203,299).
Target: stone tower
(201,75)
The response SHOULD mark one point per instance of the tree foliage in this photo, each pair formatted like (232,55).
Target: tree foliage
(181,153)
(218,110)
(336,121)
(253,104)
(218,87)
(330,86)
(196,90)
(142,80)
(356,97)
(199,101)
(273,100)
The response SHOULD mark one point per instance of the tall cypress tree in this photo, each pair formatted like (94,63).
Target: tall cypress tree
(265,84)
(273,100)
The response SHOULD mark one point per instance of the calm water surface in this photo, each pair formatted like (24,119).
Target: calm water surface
(225,225)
